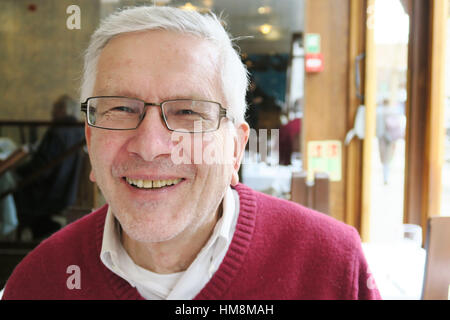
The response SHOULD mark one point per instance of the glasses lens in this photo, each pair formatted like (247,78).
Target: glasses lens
(191,115)
(114,113)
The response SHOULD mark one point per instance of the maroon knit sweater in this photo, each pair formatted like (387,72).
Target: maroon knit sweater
(280,250)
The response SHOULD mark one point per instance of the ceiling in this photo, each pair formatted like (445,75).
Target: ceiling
(247,18)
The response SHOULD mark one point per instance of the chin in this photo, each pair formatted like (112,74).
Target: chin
(150,235)
(152,228)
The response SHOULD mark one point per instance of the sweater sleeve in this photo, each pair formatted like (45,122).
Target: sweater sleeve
(364,286)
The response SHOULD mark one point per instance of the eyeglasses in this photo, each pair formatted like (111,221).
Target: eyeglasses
(181,115)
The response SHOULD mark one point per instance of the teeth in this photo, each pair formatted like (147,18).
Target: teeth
(147,183)
(150,184)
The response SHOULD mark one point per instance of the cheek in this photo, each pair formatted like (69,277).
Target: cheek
(217,149)
(199,149)
(103,152)
(217,156)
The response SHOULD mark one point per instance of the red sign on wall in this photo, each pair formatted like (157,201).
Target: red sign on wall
(314,62)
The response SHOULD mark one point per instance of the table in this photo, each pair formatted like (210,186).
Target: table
(398,268)
(274,180)
(270,178)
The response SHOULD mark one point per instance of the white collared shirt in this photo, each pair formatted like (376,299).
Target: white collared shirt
(183,285)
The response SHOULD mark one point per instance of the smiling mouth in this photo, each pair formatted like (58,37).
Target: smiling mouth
(152,184)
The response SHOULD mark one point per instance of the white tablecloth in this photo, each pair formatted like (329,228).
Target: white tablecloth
(272,179)
(398,269)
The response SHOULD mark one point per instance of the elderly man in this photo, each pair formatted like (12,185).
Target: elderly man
(164,94)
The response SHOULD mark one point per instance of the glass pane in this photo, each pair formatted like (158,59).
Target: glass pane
(388,157)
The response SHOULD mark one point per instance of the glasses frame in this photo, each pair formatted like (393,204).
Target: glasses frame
(223,113)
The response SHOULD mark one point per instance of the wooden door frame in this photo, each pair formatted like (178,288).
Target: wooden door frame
(423,108)
(370,101)
(424,111)
(357,47)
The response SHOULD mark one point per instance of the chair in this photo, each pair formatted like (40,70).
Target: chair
(14,158)
(11,253)
(436,283)
(315,195)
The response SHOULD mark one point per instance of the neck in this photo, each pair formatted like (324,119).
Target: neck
(174,255)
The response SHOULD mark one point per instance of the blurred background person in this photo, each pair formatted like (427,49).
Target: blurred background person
(55,188)
(391,125)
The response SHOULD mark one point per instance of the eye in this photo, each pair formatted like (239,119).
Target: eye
(122,109)
(186,112)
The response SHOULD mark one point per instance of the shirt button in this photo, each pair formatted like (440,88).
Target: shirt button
(211,270)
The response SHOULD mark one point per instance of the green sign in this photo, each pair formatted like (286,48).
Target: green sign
(326,157)
(312,43)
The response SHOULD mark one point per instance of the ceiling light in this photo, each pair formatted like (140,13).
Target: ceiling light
(273,35)
(189,7)
(264,10)
(265,28)
(208,3)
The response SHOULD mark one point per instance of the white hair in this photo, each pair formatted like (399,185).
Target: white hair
(233,73)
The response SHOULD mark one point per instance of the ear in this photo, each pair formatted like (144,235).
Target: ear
(240,141)
(92,176)
(87,134)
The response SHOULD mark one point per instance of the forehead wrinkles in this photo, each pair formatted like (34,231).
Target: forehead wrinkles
(139,62)
(209,73)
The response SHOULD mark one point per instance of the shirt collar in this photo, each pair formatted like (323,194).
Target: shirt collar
(223,230)
(113,255)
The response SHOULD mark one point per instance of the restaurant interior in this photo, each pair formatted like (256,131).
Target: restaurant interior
(348,105)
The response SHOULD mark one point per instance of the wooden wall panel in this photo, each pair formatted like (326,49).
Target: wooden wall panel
(326,93)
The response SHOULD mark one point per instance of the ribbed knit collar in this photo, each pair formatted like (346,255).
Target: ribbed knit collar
(237,251)
(231,264)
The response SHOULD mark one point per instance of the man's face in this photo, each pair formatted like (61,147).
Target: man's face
(155,66)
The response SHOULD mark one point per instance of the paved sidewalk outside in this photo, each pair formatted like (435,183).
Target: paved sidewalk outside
(387,200)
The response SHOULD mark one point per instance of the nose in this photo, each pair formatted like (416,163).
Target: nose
(152,138)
